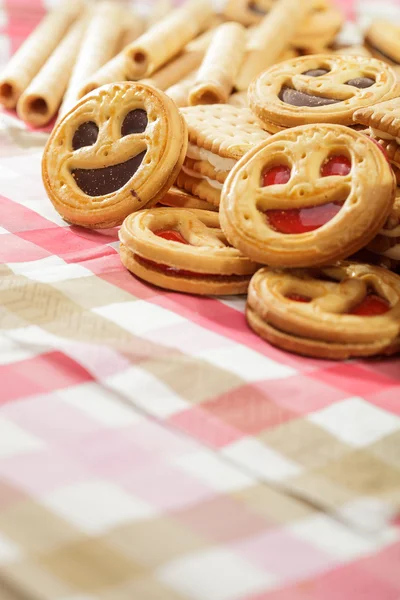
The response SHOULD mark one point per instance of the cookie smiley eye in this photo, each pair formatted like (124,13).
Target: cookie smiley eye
(85,135)
(361,82)
(253,6)
(316,72)
(135,122)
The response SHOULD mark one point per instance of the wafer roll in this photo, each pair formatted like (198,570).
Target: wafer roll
(35,51)
(42,98)
(271,38)
(167,38)
(134,26)
(184,64)
(220,67)
(180,91)
(158,12)
(99,46)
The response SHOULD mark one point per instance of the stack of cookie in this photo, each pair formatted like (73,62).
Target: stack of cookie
(285,188)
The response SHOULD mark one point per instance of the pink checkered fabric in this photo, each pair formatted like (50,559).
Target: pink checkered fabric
(152,447)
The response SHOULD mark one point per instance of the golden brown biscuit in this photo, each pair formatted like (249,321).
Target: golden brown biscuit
(382,118)
(176,198)
(383,40)
(387,242)
(285,206)
(185,251)
(336,312)
(118,150)
(320,89)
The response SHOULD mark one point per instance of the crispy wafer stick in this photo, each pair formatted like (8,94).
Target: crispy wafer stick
(34,52)
(271,38)
(99,46)
(42,98)
(180,91)
(167,38)
(220,67)
(184,64)
(115,69)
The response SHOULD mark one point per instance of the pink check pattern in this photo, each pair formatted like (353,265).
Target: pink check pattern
(152,447)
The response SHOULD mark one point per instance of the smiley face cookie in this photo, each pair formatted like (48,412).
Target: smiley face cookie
(337,312)
(320,89)
(117,151)
(286,206)
(185,251)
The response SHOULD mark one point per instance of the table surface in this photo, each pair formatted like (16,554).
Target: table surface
(152,447)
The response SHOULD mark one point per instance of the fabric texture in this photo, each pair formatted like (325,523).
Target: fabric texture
(152,447)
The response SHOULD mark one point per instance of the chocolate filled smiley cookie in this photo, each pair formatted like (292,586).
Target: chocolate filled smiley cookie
(307,196)
(185,251)
(117,151)
(320,89)
(338,312)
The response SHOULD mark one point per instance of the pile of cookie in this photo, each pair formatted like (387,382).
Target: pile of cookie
(253,175)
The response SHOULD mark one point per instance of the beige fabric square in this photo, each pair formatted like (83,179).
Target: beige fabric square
(387,449)
(305,443)
(90,565)
(91,292)
(273,505)
(35,528)
(142,588)
(155,542)
(27,576)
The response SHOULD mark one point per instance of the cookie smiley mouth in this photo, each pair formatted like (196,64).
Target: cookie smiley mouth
(107,180)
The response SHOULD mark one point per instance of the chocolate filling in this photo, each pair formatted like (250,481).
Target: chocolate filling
(361,82)
(381,52)
(85,135)
(316,72)
(296,98)
(135,122)
(100,182)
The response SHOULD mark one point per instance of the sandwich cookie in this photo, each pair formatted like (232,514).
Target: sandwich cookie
(347,310)
(387,242)
(118,150)
(285,206)
(219,135)
(320,89)
(185,251)
(176,198)
(383,41)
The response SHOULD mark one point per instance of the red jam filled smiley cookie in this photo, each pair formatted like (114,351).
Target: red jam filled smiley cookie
(307,196)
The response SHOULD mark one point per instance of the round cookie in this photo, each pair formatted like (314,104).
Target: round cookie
(322,88)
(117,151)
(185,251)
(335,313)
(382,38)
(176,198)
(308,196)
(387,243)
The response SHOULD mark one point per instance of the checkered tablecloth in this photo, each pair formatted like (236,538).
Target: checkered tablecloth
(152,447)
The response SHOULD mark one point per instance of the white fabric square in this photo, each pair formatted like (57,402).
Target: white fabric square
(369,514)
(14,440)
(139,317)
(261,461)
(246,363)
(12,351)
(99,404)
(214,471)
(215,575)
(339,541)
(2,231)
(50,269)
(148,392)
(236,302)
(356,421)
(97,506)
(9,552)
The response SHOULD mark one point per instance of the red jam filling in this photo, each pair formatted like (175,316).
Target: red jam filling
(276,176)
(382,149)
(336,165)
(371,306)
(298,298)
(172,235)
(304,220)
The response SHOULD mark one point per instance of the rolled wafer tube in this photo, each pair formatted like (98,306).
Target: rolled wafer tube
(271,38)
(34,52)
(158,12)
(134,26)
(180,91)
(167,38)
(42,98)
(184,64)
(99,46)
(220,67)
